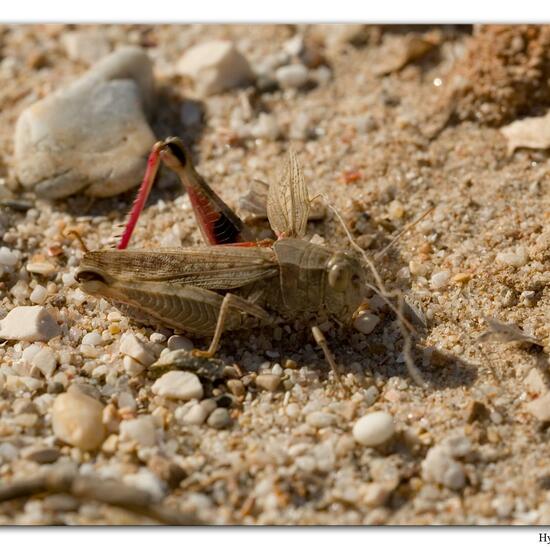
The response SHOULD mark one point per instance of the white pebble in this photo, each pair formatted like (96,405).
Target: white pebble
(178,385)
(38,295)
(219,418)
(8,257)
(140,429)
(440,279)
(45,361)
(131,366)
(292,76)
(195,416)
(147,481)
(135,348)
(29,323)
(516,258)
(77,420)
(92,339)
(41,268)
(319,419)
(266,127)
(440,467)
(374,429)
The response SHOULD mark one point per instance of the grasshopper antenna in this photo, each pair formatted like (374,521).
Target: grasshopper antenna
(404,325)
(403,231)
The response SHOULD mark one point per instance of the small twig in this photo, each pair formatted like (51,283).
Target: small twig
(113,493)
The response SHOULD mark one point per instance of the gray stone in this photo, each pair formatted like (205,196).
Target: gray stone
(92,136)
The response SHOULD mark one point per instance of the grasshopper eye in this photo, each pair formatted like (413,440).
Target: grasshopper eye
(339,276)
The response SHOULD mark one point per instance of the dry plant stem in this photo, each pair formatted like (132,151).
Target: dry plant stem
(384,294)
(322,342)
(109,492)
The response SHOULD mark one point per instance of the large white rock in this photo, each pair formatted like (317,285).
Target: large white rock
(92,136)
(29,323)
(77,420)
(215,66)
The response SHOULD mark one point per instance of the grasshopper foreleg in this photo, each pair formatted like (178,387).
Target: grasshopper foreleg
(230,301)
(322,343)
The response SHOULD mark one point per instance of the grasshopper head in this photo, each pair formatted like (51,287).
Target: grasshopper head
(92,278)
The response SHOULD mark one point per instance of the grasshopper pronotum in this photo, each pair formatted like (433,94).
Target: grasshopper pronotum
(233,283)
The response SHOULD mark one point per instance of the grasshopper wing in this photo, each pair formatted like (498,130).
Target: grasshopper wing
(216,267)
(288,201)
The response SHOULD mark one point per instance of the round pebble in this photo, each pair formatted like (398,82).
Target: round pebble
(77,420)
(440,279)
(374,429)
(8,257)
(178,385)
(319,419)
(269,382)
(219,418)
(141,430)
(92,339)
(179,342)
(292,76)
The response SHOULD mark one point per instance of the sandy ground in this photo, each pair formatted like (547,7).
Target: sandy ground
(371,146)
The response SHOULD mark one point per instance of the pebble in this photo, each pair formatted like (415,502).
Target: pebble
(515,258)
(292,76)
(77,420)
(178,385)
(269,382)
(440,467)
(140,429)
(374,429)
(219,418)
(440,279)
(8,258)
(215,66)
(87,46)
(29,323)
(41,268)
(147,481)
(38,295)
(179,342)
(267,127)
(92,136)
(42,456)
(534,382)
(236,387)
(195,416)
(540,407)
(131,366)
(319,419)
(92,339)
(133,347)
(45,361)
(366,322)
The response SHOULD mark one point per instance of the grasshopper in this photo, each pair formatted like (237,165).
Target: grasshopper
(232,283)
